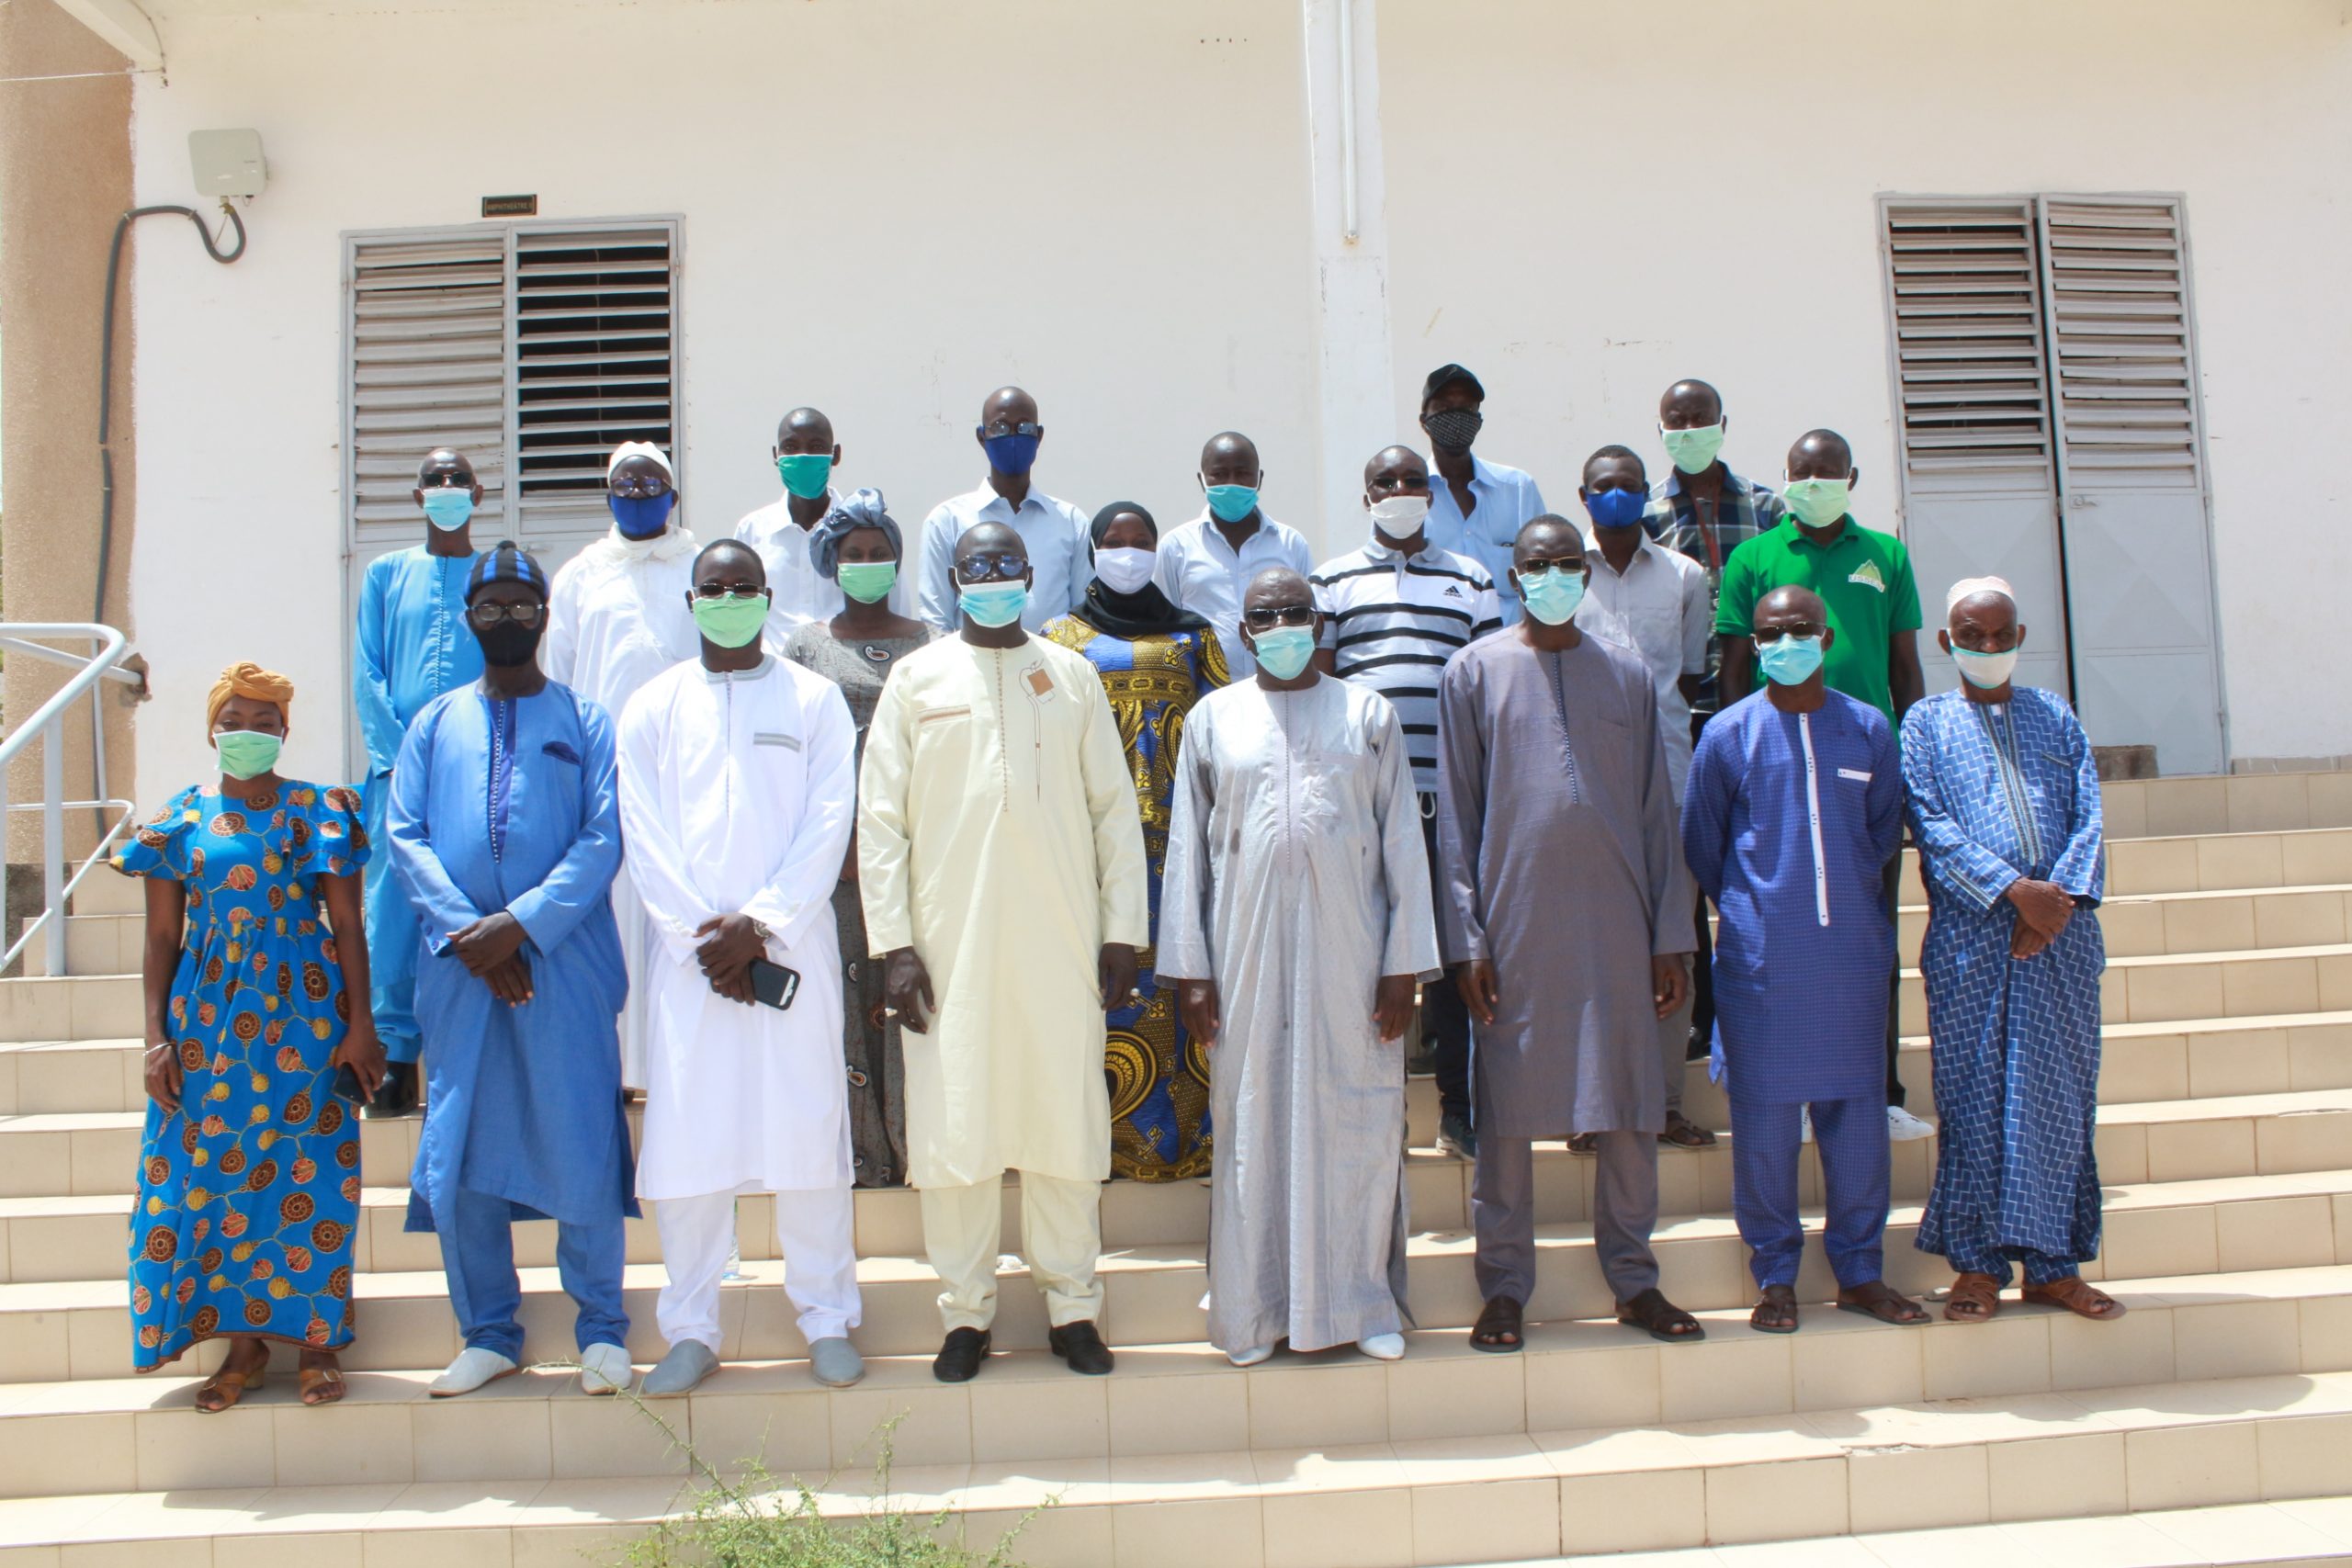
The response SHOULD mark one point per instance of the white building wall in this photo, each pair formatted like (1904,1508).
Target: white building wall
(889,207)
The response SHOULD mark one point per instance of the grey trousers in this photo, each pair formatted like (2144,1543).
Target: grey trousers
(1624,1211)
(1674,1047)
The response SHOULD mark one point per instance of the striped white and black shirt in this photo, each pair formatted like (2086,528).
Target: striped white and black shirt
(1392,620)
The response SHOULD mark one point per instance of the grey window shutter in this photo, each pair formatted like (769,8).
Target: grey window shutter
(2119,329)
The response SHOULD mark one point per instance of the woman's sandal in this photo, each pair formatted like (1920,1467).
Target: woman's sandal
(326,1382)
(2077,1296)
(1882,1301)
(1776,1312)
(1973,1298)
(1660,1318)
(228,1387)
(1497,1329)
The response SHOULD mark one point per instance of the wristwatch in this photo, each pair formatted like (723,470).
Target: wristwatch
(760,929)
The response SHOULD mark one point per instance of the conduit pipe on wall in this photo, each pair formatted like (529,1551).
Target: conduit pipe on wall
(1348,120)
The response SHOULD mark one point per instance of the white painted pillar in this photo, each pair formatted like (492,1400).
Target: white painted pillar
(1356,375)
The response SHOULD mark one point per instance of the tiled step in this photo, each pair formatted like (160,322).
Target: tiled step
(2289,1533)
(2214,862)
(103,944)
(2144,925)
(140,1433)
(2176,987)
(109,893)
(1423,1501)
(77,1329)
(2239,803)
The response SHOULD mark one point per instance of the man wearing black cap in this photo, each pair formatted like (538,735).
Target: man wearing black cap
(1481,506)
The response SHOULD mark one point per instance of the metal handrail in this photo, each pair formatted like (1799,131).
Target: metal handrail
(46,725)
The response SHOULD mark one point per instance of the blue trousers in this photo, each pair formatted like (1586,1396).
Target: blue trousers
(1851,1136)
(478,1255)
(392,938)
(2040,1268)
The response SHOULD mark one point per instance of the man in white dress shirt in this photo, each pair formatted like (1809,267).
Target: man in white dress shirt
(1655,603)
(1052,530)
(807,457)
(616,618)
(1207,564)
(737,788)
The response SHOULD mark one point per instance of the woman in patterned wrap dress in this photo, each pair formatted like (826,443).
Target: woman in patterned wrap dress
(249,1172)
(1156,662)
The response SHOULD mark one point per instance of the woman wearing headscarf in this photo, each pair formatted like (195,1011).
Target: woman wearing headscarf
(257,992)
(858,546)
(1156,662)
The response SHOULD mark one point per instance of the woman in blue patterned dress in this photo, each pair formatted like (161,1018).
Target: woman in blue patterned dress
(1156,662)
(249,1174)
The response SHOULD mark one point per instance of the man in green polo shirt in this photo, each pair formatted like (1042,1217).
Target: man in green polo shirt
(1864,578)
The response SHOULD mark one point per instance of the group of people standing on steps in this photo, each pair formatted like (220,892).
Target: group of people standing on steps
(1072,847)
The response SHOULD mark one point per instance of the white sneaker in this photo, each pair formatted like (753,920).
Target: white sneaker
(1902,1127)
(1251,1357)
(473,1367)
(604,1368)
(1383,1347)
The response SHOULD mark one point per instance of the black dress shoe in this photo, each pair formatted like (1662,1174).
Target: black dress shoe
(1081,1346)
(396,1096)
(959,1358)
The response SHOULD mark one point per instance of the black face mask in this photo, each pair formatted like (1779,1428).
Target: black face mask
(507,645)
(1453,429)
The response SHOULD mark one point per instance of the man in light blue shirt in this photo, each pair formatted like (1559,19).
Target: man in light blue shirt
(1054,531)
(1207,564)
(1480,507)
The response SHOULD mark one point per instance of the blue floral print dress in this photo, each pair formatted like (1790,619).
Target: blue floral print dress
(249,1193)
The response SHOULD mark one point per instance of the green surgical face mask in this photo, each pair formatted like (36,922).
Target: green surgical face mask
(728,621)
(866,581)
(1694,450)
(1816,503)
(806,474)
(246,753)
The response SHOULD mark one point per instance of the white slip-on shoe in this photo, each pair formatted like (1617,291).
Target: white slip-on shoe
(604,1368)
(1383,1347)
(1251,1357)
(1902,1127)
(473,1367)
(834,1362)
(681,1370)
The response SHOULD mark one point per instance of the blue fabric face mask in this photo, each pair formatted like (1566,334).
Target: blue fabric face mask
(1616,508)
(1283,651)
(641,517)
(1552,597)
(1789,661)
(1012,454)
(446,509)
(1232,502)
(993,603)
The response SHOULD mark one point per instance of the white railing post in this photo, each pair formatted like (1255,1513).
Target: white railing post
(45,726)
(52,849)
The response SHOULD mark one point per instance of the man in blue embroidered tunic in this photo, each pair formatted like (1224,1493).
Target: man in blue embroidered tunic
(2005,805)
(412,646)
(1793,807)
(506,831)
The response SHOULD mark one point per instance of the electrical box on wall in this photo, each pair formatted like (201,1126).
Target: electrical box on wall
(226,163)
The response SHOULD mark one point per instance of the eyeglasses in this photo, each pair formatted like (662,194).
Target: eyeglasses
(1572,564)
(727,591)
(638,487)
(1264,619)
(446,479)
(1765,635)
(1006,564)
(488,615)
(1026,427)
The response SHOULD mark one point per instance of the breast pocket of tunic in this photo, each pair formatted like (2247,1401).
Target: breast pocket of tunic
(943,738)
(1321,788)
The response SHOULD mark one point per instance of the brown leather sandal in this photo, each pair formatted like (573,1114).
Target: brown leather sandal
(321,1385)
(1498,1327)
(1660,1318)
(1776,1312)
(1882,1301)
(2078,1296)
(1681,1133)
(1584,1145)
(1973,1298)
(226,1387)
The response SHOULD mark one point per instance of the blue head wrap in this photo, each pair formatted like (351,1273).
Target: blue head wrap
(862,510)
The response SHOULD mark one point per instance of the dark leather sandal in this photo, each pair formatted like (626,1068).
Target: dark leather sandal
(1776,1312)
(1973,1298)
(1681,1133)
(1498,1328)
(1882,1301)
(2078,1296)
(1660,1318)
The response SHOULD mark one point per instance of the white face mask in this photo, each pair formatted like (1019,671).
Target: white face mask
(1124,570)
(1987,671)
(1400,516)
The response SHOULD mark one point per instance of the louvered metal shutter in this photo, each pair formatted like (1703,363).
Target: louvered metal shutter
(2118,319)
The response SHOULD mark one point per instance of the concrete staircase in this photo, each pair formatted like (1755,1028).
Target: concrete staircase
(2212,1425)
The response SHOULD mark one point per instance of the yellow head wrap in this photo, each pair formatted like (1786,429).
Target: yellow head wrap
(250,680)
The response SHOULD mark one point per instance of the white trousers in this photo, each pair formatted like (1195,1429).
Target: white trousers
(1061,1236)
(816,1232)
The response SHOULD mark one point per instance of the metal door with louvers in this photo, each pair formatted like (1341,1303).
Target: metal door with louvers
(2045,382)
(533,349)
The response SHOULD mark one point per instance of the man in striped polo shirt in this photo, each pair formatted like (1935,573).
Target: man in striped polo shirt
(1394,611)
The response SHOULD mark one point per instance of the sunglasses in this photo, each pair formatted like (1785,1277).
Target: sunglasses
(638,487)
(1003,564)
(1266,620)
(727,591)
(1026,427)
(1572,564)
(488,615)
(1773,634)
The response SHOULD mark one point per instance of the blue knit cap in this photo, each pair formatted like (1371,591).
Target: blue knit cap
(506,561)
